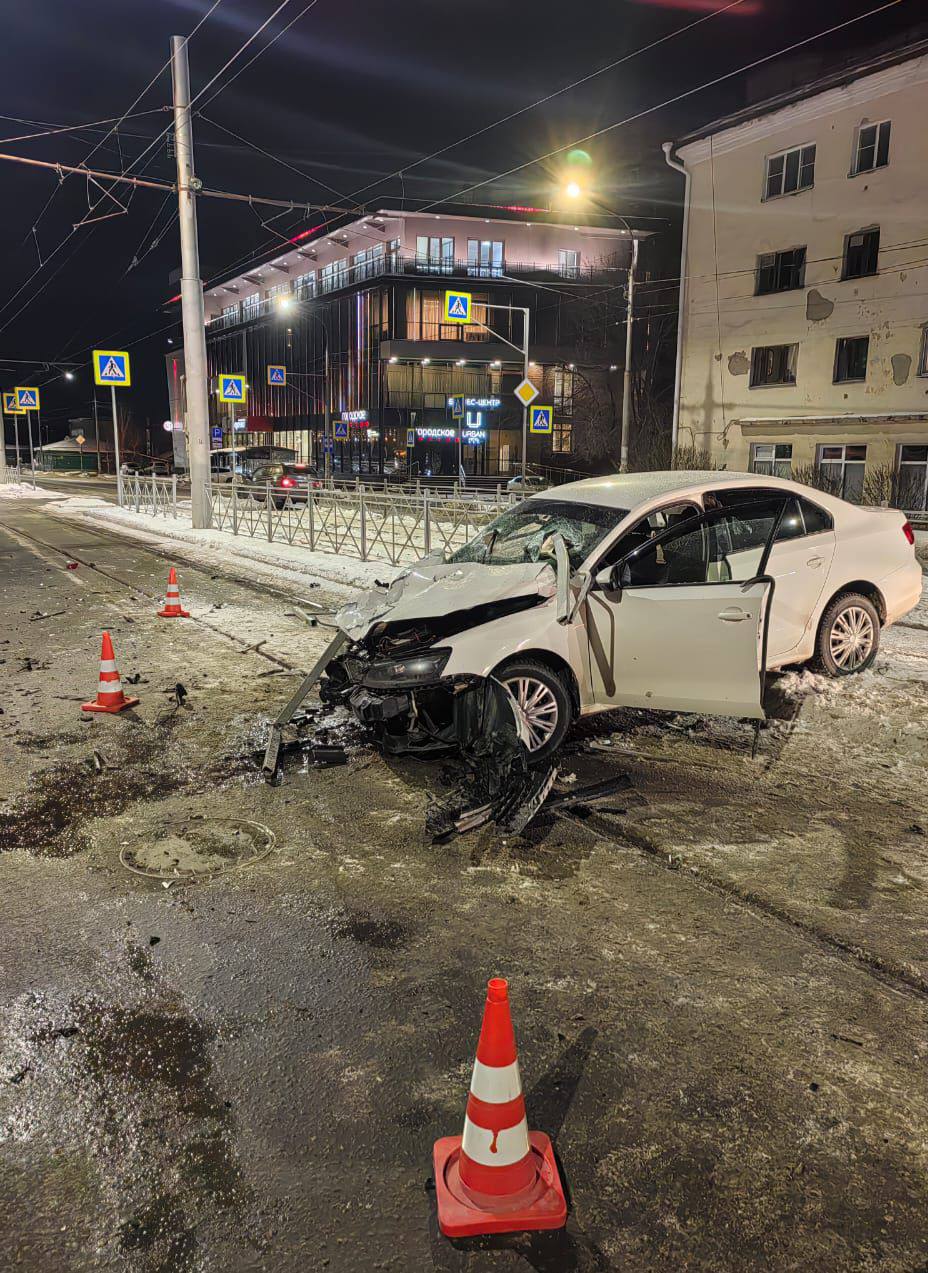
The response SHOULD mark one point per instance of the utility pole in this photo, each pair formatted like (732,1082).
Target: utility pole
(627,377)
(191,290)
(3,472)
(96,429)
(327,442)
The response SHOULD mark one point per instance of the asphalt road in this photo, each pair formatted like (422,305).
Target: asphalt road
(720,987)
(102,487)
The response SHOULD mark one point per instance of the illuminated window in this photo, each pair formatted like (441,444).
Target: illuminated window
(485,257)
(562,438)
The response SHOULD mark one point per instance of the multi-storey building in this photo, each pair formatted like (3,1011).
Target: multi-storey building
(356,312)
(804,305)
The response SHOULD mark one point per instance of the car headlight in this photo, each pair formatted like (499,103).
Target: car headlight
(416,669)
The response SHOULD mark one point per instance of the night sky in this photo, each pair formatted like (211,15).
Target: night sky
(350,94)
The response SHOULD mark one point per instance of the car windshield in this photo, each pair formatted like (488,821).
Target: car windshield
(527,533)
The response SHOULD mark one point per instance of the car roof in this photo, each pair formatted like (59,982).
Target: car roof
(628,490)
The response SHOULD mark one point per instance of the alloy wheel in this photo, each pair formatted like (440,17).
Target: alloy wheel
(851,638)
(537,708)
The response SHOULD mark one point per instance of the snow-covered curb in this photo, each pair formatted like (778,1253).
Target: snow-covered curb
(285,565)
(20,490)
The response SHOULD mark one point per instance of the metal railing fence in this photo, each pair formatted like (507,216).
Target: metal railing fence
(154,495)
(369,525)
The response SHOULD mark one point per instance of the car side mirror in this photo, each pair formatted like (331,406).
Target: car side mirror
(608,580)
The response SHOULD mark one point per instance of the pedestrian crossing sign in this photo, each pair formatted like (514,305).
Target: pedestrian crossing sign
(457,307)
(111,367)
(27,399)
(9,404)
(341,430)
(410,437)
(231,388)
(541,420)
(276,375)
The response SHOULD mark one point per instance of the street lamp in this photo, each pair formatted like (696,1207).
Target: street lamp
(285,303)
(574,191)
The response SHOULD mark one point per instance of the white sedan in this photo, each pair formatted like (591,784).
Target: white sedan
(674,591)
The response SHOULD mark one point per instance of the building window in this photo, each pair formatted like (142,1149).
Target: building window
(304,286)
(393,254)
(923,354)
(773,365)
(368,262)
(279,289)
(872,147)
(333,275)
(229,314)
(912,486)
(844,467)
(790,171)
(563,390)
(485,257)
(562,437)
(251,306)
(851,358)
(772,459)
(434,254)
(861,253)
(780,271)
(568,262)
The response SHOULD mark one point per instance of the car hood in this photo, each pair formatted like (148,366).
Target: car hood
(432,590)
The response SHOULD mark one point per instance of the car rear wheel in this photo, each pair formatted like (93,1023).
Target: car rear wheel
(848,636)
(542,703)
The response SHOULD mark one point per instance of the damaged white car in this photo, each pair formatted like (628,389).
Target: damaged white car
(674,591)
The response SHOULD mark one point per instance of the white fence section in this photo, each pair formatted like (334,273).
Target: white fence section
(155,495)
(371,525)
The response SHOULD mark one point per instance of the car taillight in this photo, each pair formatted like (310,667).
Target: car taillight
(286,481)
(908,532)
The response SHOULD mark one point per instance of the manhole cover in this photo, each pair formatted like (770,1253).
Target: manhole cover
(193,852)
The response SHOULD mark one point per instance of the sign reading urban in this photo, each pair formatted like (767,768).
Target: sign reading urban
(541,420)
(27,399)
(276,374)
(457,307)
(231,388)
(526,392)
(111,367)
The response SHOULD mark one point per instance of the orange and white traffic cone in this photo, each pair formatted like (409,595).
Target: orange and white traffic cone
(498,1177)
(172,607)
(110,697)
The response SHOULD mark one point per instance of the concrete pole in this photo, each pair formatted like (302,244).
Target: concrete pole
(31,451)
(191,290)
(4,476)
(627,377)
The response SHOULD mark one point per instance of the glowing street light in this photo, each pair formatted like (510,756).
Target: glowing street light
(573,190)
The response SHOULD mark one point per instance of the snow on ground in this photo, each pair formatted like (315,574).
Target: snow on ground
(19,490)
(281,564)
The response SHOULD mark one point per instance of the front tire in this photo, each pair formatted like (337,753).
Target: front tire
(848,636)
(543,702)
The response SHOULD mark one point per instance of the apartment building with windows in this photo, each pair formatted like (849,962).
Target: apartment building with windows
(370,291)
(804,306)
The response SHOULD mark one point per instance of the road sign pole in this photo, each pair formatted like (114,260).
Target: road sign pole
(116,446)
(524,406)
(232,442)
(327,444)
(31,451)
(3,472)
(627,376)
(191,290)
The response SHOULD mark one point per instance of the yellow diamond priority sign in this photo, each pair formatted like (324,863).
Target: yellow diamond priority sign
(526,392)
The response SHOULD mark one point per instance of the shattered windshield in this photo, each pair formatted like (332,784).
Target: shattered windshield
(527,533)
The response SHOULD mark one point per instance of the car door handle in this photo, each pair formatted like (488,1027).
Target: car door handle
(814,562)
(733,615)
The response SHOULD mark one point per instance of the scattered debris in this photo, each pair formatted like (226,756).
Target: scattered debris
(180,694)
(71,565)
(96,761)
(134,678)
(42,614)
(324,756)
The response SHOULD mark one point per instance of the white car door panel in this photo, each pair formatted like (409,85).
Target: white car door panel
(686,648)
(800,568)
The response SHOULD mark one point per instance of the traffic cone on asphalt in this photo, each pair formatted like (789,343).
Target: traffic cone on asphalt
(172,607)
(110,697)
(498,1177)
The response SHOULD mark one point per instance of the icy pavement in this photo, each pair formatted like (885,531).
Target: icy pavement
(718,983)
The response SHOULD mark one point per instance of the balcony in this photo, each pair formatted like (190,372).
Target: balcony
(389,265)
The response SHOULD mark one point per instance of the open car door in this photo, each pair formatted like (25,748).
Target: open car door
(681,623)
